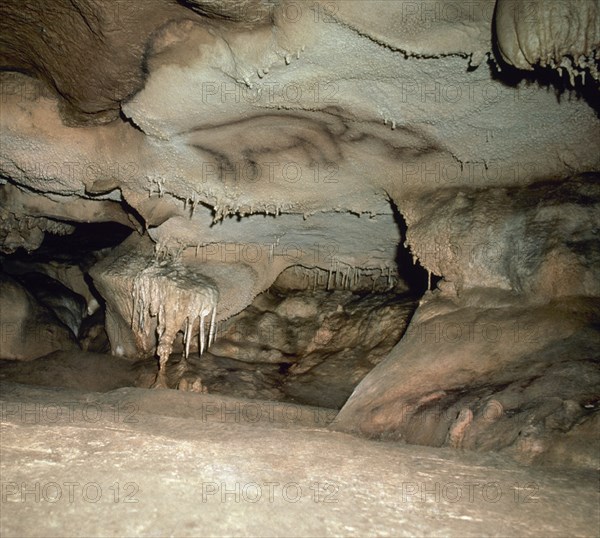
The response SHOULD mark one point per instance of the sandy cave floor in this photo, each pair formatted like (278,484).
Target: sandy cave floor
(136,462)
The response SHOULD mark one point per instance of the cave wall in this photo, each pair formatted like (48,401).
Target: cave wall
(240,139)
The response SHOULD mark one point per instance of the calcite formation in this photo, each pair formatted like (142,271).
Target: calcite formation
(177,298)
(564,36)
(348,139)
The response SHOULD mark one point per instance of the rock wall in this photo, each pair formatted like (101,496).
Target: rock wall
(238,140)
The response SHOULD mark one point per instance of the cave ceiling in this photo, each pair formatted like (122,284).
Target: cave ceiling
(242,138)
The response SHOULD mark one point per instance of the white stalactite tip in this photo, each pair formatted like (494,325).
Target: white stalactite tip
(178,296)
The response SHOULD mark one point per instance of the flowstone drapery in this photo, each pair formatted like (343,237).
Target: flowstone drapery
(178,298)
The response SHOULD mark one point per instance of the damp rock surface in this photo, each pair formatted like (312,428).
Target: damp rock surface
(489,372)
(311,346)
(268,351)
(77,370)
(28,329)
(344,148)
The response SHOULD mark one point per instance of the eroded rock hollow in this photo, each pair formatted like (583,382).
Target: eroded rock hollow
(390,209)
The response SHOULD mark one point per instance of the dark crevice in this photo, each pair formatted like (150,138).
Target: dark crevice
(545,77)
(414,274)
(76,247)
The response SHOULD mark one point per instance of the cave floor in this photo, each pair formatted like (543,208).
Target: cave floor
(137,462)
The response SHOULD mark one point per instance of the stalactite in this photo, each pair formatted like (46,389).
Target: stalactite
(176,296)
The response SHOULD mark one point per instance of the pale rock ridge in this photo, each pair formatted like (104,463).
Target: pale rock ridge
(562,35)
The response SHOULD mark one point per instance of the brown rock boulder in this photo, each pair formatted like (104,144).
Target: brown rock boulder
(28,330)
(495,375)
